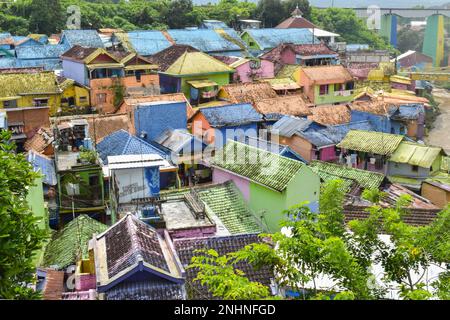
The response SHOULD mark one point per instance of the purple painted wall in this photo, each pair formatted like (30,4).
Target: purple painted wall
(243,72)
(75,71)
(220,176)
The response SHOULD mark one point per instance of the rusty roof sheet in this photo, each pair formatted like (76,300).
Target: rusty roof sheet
(286,105)
(394,192)
(247,92)
(330,114)
(327,74)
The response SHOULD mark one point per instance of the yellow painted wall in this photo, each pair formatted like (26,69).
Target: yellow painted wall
(54,101)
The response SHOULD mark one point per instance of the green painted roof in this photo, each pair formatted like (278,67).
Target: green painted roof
(260,166)
(371,141)
(440,177)
(416,154)
(330,171)
(15,84)
(191,63)
(226,202)
(63,247)
(405,181)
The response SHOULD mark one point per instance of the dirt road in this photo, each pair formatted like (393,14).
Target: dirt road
(440,134)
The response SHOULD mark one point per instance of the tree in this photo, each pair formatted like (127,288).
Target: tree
(20,235)
(46,16)
(315,245)
(351,28)
(179,14)
(408,39)
(270,12)
(290,5)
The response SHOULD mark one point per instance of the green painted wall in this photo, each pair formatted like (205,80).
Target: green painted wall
(269,204)
(330,97)
(433,44)
(35,199)
(304,186)
(220,78)
(251,44)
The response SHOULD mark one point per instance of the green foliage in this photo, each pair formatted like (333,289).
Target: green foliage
(312,245)
(224,280)
(20,235)
(270,12)
(408,39)
(351,28)
(46,16)
(88,155)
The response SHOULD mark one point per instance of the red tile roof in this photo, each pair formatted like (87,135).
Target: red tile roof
(54,285)
(165,58)
(295,22)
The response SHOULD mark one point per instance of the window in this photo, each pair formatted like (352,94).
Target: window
(40,102)
(138,75)
(83,99)
(338,87)
(349,86)
(323,89)
(10,104)
(415,168)
(402,130)
(101,97)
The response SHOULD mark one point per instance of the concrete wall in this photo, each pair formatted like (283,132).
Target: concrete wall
(436,195)
(135,183)
(405,170)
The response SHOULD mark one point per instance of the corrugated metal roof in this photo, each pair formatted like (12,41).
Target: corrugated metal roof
(148,42)
(271,37)
(205,40)
(370,141)
(289,125)
(260,166)
(122,142)
(366,179)
(416,154)
(231,115)
(176,140)
(409,112)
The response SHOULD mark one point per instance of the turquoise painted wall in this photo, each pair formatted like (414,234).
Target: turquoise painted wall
(433,44)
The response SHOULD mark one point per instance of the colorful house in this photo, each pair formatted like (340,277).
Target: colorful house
(301,54)
(248,70)
(216,125)
(312,140)
(73,94)
(269,182)
(369,150)
(327,84)
(416,161)
(153,266)
(196,74)
(109,75)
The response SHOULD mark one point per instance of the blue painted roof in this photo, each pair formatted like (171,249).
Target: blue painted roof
(4,35)
(213,24)
(148,42)
(48,64)
(272,37)
(44,165)
(205,40)
(41,52)
(231,115)
(409,112)
(123,143)
(332,135)
(85,38)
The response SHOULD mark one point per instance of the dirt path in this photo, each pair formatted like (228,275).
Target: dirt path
(440,134)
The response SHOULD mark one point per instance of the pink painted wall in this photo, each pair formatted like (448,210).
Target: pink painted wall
(85,282)
(327,154)
(288,56)
(220,176)
(244,71)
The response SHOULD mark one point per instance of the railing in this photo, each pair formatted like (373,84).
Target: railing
(343,93)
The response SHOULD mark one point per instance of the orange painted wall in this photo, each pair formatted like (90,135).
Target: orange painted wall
(199,127)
